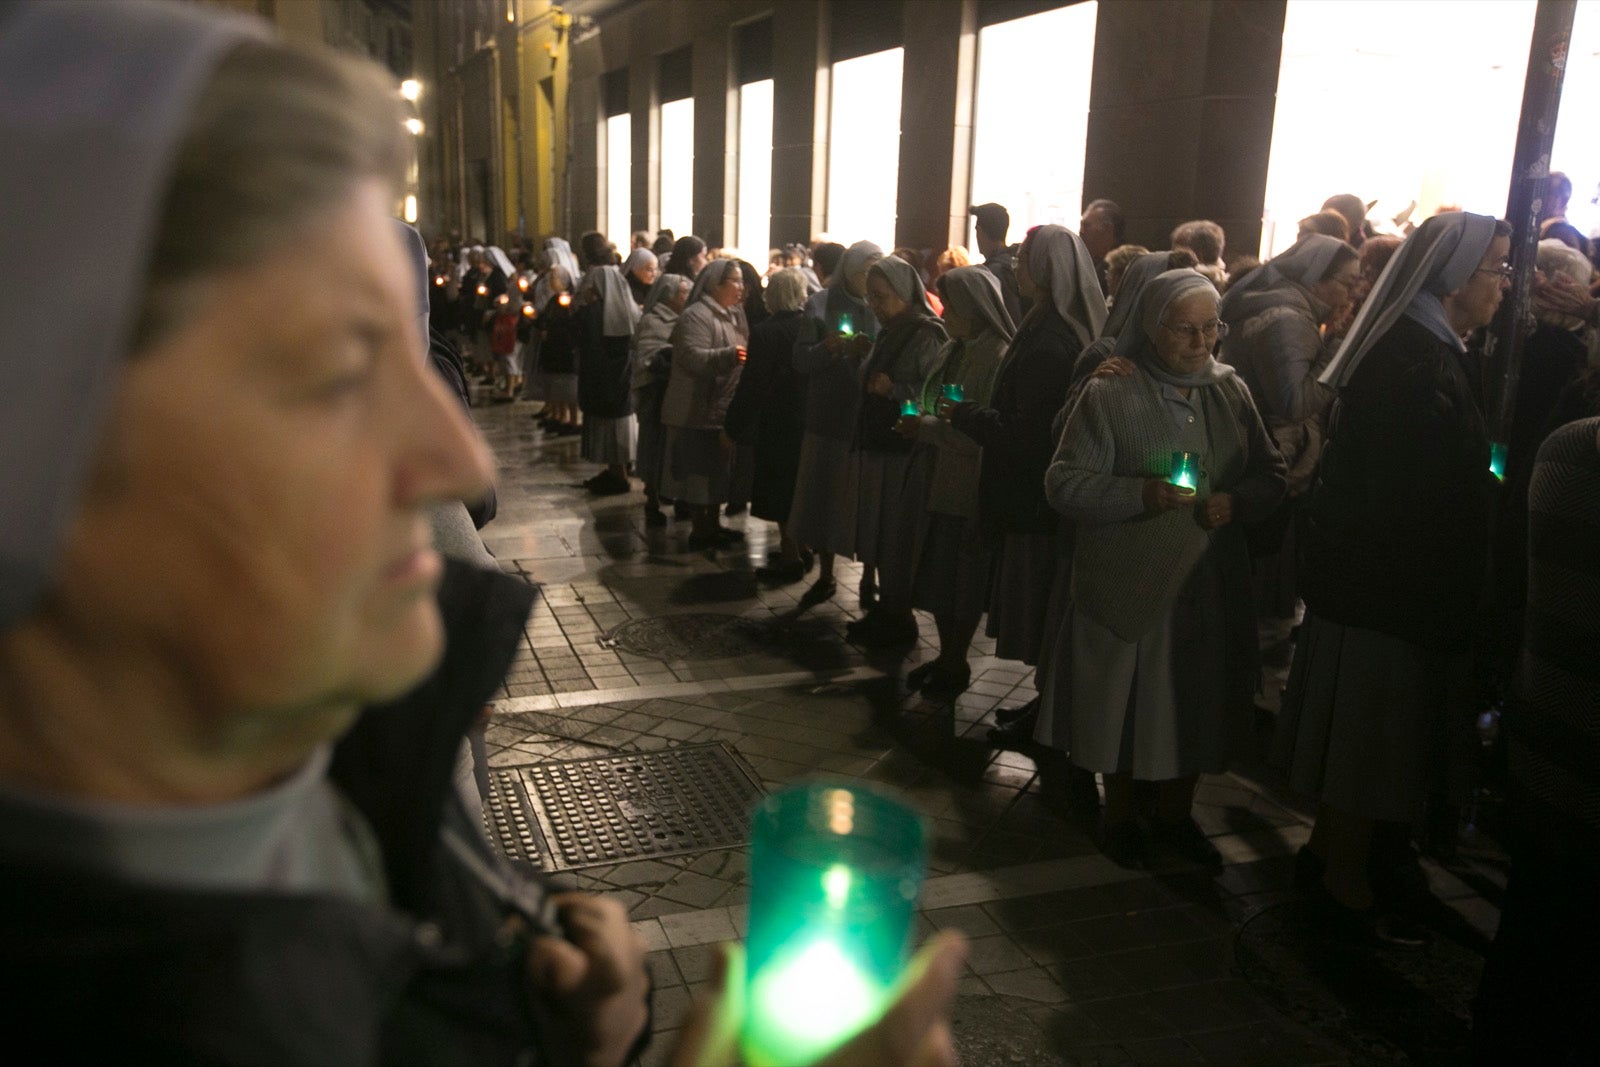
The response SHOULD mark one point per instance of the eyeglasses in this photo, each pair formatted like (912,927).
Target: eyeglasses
(1213,330)
(1502,269)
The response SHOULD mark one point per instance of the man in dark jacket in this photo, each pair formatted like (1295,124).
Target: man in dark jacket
(991,221)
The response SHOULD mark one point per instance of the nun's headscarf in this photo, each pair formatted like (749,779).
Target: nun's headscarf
(860,255)
(1134,278)
(638,258)
(664,289)
(499,259)
(557,253)
(974,294)
(417,264)
(620,313)
(710,277)
(1305,262)
(94,102)
(905,281)
(1437,259)
(1138,341)
(1060,264)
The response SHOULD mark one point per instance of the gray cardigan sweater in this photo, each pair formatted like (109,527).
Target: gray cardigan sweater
(705,366)
(1128,566)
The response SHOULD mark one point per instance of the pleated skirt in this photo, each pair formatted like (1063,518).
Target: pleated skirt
(610,441)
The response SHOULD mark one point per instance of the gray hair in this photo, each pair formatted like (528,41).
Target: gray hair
(786,291)
(281,134)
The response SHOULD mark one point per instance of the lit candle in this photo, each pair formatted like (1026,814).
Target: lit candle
(846,328)
(954,393)
(1185,470)
(439,280)
(527,309)
(483,290)
(909,408)
(834,874)
(504,299)
(739,350)
(522,283)
(1497,460)
(564,299)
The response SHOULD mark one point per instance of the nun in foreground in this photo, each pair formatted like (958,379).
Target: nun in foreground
(1379,710)
(1159,630)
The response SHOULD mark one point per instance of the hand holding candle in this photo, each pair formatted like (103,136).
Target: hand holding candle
(954,393)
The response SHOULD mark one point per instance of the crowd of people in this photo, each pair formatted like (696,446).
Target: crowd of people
(237,678)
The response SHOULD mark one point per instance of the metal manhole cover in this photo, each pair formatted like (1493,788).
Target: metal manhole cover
(694,635)
(563,814)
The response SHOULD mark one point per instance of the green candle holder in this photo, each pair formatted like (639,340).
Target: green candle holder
(909,408)
(835,869)
(1185,470)
(954,393)
(846,327)
(1497,460)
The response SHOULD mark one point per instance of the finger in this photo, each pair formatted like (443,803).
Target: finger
(557,966)
(710,1033)
(925,993)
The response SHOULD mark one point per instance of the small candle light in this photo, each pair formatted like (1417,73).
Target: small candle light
(846,327)
(834,874)
(483,290)
(739,350)
(527,309)
(522,283)
(565,299)
(954,393)
(504,299)
(439,280)
(1497,460)
(1185,470)
(909,408)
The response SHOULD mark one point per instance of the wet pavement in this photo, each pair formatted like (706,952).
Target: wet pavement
(639,644)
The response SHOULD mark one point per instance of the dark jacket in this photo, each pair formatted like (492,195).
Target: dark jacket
(605,367)
(100,970)
(1015,431)
(769,412)
(906,350)
(1003,265)
(1398,519)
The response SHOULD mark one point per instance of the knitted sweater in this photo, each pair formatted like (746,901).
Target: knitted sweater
(1553,727)
(1129,565)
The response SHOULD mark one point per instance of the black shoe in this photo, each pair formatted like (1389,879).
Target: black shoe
(1017,733)
(1308,870)
(1343,922)
(857,628)
(867,595)
(1123,843)
(1030,711)
(947,682)
(821,589)
(889,633)
(655,518)
(1185,838)
(608,484)
(918,676)
(699,542)
(731,510)
(682,511)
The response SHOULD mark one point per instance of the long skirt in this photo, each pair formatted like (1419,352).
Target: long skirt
(883,509)
(823,513)
(697,467)
(1372,724)
(1019,598)
(1162,706)
(953,569)
(652,442)
(555,388)
(610,441)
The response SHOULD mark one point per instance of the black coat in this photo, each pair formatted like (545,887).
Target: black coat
(769,412)
(1397,521)
(605,367)
(1016,429)
(99,970)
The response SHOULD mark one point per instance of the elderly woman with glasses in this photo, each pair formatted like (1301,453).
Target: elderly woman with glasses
(1158,470)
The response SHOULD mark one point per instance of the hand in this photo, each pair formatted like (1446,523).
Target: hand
(834,343)
(595,979)
(859,346)
(908,426)
(880,384)
(728,444)
(914,1032)
(1113,367)
(944,407)
(1161,497)
(1559,294)
(741,353)
(1217,511)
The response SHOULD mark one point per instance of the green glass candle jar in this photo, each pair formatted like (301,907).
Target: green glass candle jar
(1185,470)
(835,869)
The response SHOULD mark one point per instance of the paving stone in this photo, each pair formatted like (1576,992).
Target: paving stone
(989,955)
(1033,983)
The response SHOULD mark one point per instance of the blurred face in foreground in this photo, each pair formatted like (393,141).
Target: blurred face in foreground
(253,551)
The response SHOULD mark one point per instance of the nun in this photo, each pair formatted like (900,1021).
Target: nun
(1378,709)
(605,379)
(641,269)
(1015,431)
(910,339)
(1159,630)
(651,348)
(951,578)
(708,347)
(835,336)
(1135,274)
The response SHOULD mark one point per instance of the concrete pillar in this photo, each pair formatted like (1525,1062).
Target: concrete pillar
(716,163)
(936,103)
(645,125)
(1180,114)
(799,121)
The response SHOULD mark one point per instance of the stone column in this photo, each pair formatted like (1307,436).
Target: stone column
(799,121)
(936,104)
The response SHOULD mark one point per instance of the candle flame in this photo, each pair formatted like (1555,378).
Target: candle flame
(836,885)
(564,299)
(483,290)
(841,811)
(808,999)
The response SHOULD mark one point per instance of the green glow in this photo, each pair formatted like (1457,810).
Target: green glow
(1185,470)
(1497,460)
(845,326)
(836,885)
(805,1001)
(954,393)
(909,408)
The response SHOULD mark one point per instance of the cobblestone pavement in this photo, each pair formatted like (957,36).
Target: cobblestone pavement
(1074,960)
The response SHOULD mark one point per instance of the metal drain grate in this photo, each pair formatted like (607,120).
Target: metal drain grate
(689,635)
(563,814)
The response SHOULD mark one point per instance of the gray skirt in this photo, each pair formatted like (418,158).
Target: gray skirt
(823,514)
(697,467)
(884,509)
(1019,599)
(953,568)
(610,441)
(1372,724)
(554,388)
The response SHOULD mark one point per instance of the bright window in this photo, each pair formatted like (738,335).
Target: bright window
(755,171)
(1049,56)
(864,148)
(1577,151)
(1390,101)
(677,166)
(619,180)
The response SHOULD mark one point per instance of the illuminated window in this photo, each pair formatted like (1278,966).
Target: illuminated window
(1390,101)
(864,148)
(1050,57)
(619,181)
(755,170)
(677,166)
(1576,152)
